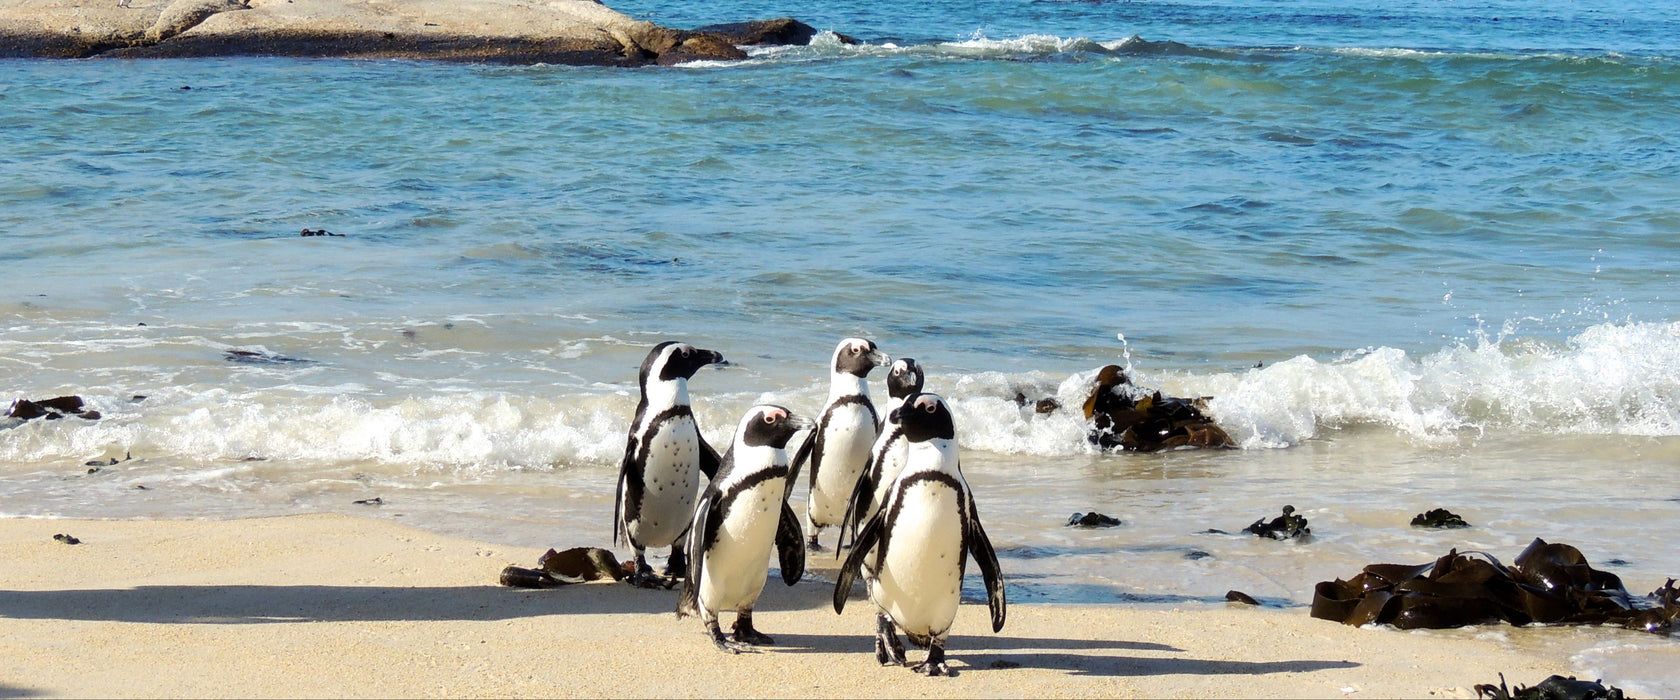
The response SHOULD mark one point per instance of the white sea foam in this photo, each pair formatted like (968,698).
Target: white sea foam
(1609,379)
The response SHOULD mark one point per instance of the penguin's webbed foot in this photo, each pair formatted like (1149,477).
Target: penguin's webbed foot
(889,651)
(745,634)
(723,643)
(934,665)
(811,544)
(676,567)
(931,669)
(645,578)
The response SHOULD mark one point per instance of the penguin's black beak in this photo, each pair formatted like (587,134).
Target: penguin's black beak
(878,358)
(798,423)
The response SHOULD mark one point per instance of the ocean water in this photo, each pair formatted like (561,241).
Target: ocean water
(1420,254)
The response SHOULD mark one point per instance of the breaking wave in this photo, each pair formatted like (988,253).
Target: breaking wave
(1610,379)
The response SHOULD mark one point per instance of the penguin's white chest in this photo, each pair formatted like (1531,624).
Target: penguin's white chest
(738,561)
(920,580)
(670,483)
(891,452)
(847,439)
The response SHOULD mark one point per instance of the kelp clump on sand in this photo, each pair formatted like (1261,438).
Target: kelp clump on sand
(1548,583)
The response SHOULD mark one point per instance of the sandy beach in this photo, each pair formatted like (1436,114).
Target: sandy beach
(336,606)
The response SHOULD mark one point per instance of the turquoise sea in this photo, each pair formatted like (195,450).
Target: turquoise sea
(1420,253)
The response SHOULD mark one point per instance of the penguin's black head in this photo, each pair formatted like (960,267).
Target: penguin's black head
(925,417)
(673,360)
(771,425)
(856,356)
(905,378)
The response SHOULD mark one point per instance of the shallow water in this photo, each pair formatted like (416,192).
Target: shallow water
(1419,254)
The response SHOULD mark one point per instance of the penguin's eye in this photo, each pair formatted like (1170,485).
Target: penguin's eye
(929,406)
(769,419)
(685,352)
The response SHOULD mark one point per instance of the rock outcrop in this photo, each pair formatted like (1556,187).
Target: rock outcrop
(575,32)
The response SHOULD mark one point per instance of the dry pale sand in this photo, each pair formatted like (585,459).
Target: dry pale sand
(327,606)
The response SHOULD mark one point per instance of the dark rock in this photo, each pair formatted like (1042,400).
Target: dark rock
(785,31)
(1440,519)
(67,539)
(99,463)
(1092,519)
(1284,527)
(375,501)
(1196,554)
(1235,596)
(1553,688)
(50,409)
(1138,46)
(252,357)
(306,233)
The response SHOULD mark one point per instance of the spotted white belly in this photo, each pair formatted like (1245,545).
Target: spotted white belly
(670,484)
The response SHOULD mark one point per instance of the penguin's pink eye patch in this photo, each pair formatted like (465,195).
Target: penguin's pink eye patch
(771,417)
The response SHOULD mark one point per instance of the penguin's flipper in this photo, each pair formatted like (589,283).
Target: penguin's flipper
(800,456)
(699,535)
(858,504)
(629,491)
(980,546)
(709,460)
(860,548)
(790,546)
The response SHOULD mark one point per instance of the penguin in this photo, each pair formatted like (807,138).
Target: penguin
(886,457)
(839,446)
(664,455)
(917,546)
(740,515)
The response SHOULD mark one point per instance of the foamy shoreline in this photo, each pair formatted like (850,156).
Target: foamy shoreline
(330,605)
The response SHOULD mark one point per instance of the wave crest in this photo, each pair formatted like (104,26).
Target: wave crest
(1609,379)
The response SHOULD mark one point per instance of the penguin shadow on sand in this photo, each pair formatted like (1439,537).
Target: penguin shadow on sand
(979,652)
(266,604)
(1109,657)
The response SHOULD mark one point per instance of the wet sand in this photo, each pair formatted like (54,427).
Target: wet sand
(331,605)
